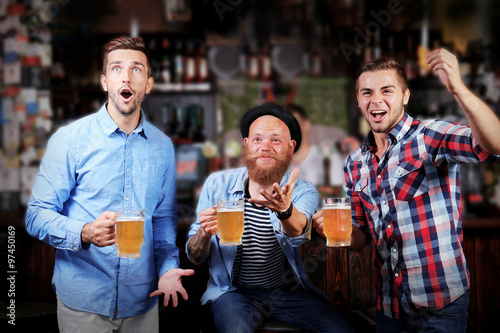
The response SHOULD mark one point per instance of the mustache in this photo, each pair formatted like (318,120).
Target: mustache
(258,155)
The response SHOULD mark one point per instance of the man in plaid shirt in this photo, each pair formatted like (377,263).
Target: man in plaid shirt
(405,191)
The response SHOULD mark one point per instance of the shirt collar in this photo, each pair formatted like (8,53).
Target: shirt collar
(109,126)
(395,135)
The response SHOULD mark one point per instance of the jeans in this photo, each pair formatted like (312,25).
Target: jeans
(451,318)
(244,310)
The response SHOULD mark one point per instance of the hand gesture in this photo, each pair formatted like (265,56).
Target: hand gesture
(101,232)
(281,199)
(170,284)
(317,222)
(446,65)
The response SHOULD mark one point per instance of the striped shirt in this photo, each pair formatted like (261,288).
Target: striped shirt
(260,262)
(409,201)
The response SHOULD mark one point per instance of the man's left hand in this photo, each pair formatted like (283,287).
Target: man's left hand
(170,284)
(446,66)
(281,199)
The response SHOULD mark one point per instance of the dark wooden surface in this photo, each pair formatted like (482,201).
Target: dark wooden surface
(347,277)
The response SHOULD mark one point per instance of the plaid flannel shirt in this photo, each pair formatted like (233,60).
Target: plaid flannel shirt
(409,201)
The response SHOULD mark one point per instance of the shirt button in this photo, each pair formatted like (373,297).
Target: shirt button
(389,226)
(126,199)
(128,170)
(396,274)
(74,248)
(284,244)
(383,202)
(394,250)
(379,176)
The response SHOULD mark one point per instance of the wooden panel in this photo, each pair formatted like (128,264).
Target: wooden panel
(362,279)
(314,257)
(40,259)
(338,278)
(487,258)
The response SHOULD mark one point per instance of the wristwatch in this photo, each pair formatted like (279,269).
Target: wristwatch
(286,214)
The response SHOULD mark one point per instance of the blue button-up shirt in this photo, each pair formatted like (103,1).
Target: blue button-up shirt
(89,167)
(231,183)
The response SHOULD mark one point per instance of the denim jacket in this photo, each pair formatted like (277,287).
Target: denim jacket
(231,183)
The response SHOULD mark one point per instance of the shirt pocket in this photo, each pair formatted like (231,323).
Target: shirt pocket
(361,187)
(409,180)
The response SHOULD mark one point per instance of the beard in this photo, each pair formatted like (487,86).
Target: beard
(126,109)
(269,173)
(396,117)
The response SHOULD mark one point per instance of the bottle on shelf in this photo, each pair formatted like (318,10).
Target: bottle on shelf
(178,63)
(189,63)
(252,62)
(265,67)
(166,76)
(202,70)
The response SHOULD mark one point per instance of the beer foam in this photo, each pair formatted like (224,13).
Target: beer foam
(230,209)
(130,219)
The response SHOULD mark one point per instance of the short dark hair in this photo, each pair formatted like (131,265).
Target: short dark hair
(381,64)
(292,107)
(126,43)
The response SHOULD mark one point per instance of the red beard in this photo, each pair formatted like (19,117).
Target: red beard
(269,173)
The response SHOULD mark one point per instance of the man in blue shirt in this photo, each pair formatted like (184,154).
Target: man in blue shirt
(111,159)
(264,276)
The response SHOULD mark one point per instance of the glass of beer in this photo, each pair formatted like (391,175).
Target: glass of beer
(337,222)
(230,220)
(129,232)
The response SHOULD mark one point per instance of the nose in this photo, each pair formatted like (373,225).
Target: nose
(376,98)
(265,145)
(125,77)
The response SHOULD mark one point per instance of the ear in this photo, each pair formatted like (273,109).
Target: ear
(293,144)
(104,82)
(245,142)
(150,84)
(406,96)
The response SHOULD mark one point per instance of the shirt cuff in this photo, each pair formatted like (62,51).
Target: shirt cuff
(74,236)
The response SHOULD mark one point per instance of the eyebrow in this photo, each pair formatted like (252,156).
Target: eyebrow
(384,87)
(119,62)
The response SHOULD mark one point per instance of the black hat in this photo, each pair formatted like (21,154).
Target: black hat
(272,110)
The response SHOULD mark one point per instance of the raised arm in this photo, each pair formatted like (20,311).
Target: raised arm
(483,122)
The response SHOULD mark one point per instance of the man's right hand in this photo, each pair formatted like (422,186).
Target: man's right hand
(317,222)
(198,246)
(101,232)
(208,222)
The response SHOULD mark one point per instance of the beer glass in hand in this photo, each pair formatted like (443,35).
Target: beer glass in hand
(230,220)
(129,232)
(337,222)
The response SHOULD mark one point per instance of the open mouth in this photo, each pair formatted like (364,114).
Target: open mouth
(126,94)
(378,114)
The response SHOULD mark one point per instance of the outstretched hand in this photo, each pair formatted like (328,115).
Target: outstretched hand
(281,198)
(170,284)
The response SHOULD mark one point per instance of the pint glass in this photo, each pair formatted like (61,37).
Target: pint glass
(230,220)
(337,222)
(129,232)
